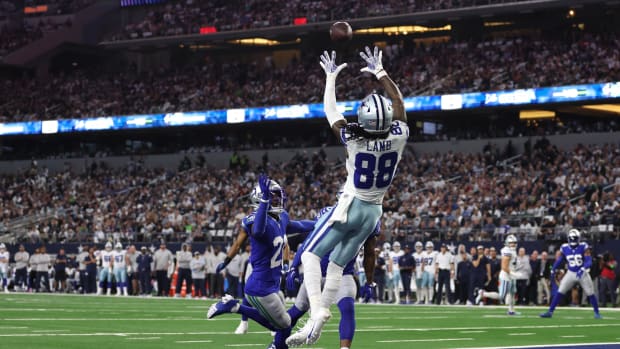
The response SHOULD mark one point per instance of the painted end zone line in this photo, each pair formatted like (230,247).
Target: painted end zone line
(426,340)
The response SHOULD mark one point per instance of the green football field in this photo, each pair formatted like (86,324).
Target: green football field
(74,321)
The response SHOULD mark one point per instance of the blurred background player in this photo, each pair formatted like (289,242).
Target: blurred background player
(197,266)
(406,263)
(4,267)
(60,272)
(21,268)
(388,276)
(507,277)
(428,274)
(578,262)
(418,257)
(107,261)
(184,273)
(397,282)
(374,147)
(121,261)
(444,265)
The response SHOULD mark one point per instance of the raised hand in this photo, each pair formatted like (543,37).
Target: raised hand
(328,63)
(263,183)
(373,62)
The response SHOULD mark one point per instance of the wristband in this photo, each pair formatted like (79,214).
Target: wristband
(227,260)
(381,73)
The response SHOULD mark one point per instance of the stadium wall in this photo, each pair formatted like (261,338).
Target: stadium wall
(221,159)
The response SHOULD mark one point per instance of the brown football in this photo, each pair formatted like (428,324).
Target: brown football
(340,31)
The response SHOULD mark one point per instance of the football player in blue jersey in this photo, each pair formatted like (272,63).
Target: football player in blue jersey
(578,261)
(374,147)
(266,228)
(345,298)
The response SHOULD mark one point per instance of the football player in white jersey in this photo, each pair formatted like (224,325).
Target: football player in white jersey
(418,258)
(429,257)
(374,147)
(395,255)
(120,269)
(4,267)
(105,275)
(507,276)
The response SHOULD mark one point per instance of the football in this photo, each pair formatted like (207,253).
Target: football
(340,31)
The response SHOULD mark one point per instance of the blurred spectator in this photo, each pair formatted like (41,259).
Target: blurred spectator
(162,260)
(197,265)
(21,269)
(607,281)
(144,261)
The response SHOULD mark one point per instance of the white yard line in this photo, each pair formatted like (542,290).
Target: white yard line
(426,340)
(142,338)
(521,334)
(552,345)
(575,336)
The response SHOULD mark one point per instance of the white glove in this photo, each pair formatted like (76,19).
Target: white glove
(329,65)
(373,61)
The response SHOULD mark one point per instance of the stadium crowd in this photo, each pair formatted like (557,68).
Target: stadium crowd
(439,68)
(447,197)
(188,16)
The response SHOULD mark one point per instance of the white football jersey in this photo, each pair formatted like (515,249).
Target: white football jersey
(512,253)
(419,259)
(429,259)
(106,257)
(371,163)
(395,258)
(119,258)
(4,258)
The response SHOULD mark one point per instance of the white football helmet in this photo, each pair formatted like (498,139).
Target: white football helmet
(375,114)
(2,246)
(511,241)
(429,245)
(573,237)
(418,246)
(108,246)
(386,246)
(118,246)
(396,246)
(278,197)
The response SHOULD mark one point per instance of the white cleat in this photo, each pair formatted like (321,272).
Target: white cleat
(108,292)
(242,328)
(479,297)
(311,332)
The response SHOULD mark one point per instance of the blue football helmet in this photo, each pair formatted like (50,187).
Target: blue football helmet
(278,197)
(374,114)
(573,237)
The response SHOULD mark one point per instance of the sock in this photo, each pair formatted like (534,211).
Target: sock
(594,302)
(247,304)
(556,300)
(510,300)
(312,279)
(332,284)
(347,318)
(431,290)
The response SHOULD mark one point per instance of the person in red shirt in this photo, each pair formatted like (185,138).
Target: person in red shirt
(607,280)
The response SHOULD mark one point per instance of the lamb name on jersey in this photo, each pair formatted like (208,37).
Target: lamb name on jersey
(371,164)
(574,256)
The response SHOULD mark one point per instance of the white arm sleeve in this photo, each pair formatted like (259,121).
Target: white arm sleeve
(329,102)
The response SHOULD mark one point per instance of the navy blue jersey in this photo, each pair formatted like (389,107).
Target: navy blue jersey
(575,257)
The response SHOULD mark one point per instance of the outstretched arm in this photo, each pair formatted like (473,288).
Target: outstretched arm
(334,117)
(375,67)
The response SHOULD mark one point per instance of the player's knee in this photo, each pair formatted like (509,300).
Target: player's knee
(283,322)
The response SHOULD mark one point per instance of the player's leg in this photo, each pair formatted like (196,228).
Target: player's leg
(345,301)
(243,325)
(298,310)
(396,284)
(103,275)
(588,289)
(568,281)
